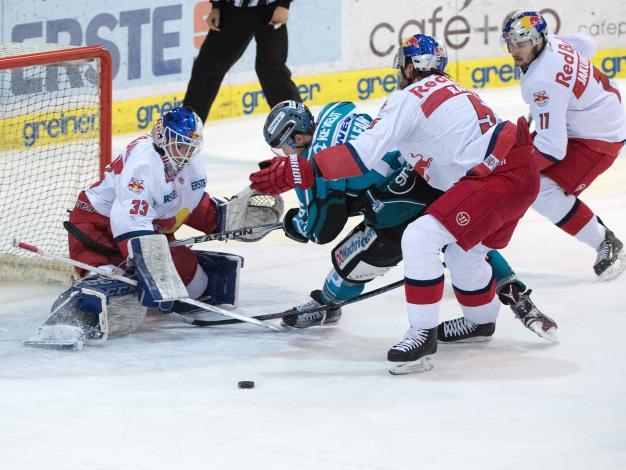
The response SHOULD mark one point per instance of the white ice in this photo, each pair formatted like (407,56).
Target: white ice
(167,397)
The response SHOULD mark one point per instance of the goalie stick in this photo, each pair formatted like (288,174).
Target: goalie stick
(227,235)
(291,311)
(93,245)
(211,308)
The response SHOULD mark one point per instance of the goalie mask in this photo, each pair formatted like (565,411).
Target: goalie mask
(285,121)
(179,134)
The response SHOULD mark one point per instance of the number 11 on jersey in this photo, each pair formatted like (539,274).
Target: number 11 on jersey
(544,120)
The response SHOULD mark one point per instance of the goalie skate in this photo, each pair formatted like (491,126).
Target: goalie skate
(58,336)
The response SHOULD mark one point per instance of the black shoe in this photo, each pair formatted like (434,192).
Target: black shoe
(527,312)
(611,260)
(328,316)
(412,353)
(461,330)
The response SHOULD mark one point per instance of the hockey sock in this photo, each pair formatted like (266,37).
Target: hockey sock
(423,298)
(337,289)
(502,271)
(479,306)
(198,283)
(582,223)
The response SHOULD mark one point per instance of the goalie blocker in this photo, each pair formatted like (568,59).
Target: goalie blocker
(97,308)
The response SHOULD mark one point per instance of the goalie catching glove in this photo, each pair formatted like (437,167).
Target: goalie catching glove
(280,174)
(249,208)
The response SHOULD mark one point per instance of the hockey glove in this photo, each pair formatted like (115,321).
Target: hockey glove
(290,230)
(280,174)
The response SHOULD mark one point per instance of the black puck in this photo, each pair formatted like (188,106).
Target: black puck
(246,384)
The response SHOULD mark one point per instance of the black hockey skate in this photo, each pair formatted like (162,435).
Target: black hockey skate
(611,260)
(413,353)
(527,312)
(305,320)
(461,330)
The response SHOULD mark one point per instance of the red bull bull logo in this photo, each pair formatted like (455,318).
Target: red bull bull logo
(421,165)
(136,186)
(411,41)
(527,22)
(541,98)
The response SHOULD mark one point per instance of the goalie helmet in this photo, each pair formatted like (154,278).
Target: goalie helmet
(179,134)
(425,52)
(524,26)
(284,121)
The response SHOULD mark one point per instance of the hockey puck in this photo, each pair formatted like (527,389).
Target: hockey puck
(246,384)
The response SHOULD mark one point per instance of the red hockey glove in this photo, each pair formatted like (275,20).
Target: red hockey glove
(280,174)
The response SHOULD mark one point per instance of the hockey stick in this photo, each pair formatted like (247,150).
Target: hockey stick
(227,235)
(211,308)
(93,245)
(294,310)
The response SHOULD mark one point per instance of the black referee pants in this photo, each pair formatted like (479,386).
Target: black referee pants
(221,49)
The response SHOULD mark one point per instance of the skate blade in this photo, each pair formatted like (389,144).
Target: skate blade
(617,268)
(475,339)
(412,367)
(56,344)
(57,336)
(549,334)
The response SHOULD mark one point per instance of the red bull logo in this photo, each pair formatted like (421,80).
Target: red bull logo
(527,22)
(136,186)
(421,165)
(411,41)
(541,98)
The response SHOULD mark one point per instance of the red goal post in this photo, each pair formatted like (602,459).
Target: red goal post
(55,140)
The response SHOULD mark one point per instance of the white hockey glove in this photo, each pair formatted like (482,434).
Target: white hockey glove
(250,208)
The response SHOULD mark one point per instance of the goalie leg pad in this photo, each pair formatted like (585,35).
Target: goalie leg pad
(158,280)
(367,253)
(222,270)
(91,311)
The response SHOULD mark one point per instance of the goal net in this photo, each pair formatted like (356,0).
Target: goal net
(55,139)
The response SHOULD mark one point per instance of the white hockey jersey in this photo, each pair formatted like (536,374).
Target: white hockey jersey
(570,98)
(441,128)
(138,197)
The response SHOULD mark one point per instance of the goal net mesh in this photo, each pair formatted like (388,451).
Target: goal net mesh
(50,128)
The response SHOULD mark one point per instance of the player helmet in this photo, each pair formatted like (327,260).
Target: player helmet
(524,26)
(426,54)
(179,134)
(284,121)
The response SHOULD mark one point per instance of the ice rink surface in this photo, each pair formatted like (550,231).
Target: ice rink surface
(167,397)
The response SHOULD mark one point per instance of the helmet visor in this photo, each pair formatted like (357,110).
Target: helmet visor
(398,59)
(283,144)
